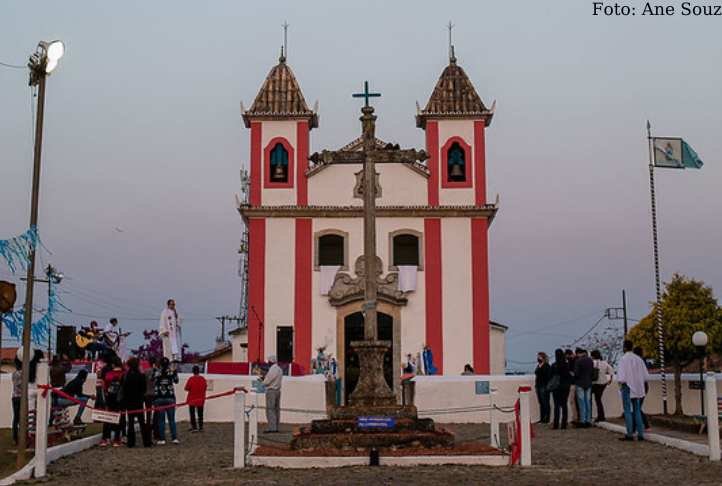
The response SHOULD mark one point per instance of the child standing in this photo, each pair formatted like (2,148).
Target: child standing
(196,387)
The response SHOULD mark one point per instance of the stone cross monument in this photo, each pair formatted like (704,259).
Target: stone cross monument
(372,389)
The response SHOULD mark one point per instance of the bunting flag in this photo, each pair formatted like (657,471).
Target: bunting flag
(16,251)
(674,153)
(14,321)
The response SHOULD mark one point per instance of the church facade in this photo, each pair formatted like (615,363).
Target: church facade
(305,236)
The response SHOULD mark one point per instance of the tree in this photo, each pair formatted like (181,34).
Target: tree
(687,306)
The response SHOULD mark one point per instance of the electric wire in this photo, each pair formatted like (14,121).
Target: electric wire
(14,66)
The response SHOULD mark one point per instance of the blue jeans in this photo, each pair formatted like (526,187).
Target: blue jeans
(584,398)
(162,414)
(64,402)
(632,413)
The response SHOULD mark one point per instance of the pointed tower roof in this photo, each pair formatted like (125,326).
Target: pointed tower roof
(280,97)
(454,97)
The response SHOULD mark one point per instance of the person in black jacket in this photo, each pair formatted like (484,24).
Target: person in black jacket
(583,379)
(559,384)
(133,393)
(543,373)
(74,388)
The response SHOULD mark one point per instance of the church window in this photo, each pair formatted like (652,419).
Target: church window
(331,250)
(456,163)
(279,163)
(406,250)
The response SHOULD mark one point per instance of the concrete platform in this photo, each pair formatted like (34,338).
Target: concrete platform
(331,462)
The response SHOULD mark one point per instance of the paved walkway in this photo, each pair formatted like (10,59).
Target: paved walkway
(574,456)
(677,434)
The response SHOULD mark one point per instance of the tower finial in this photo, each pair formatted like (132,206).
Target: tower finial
(452,56)
(284,50)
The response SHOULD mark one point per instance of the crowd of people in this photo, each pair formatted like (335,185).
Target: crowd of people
(146,397)
(581,375)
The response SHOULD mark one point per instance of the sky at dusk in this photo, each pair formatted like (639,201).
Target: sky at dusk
(144,142)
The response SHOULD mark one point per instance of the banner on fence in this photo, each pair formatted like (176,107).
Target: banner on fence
(106,416)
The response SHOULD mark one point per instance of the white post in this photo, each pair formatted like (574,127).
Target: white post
(525,419)
(712,409)
(41,421)
(239,429)
(253,424)
(493,423)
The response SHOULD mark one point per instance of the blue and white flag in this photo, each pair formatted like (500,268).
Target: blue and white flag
(674,153)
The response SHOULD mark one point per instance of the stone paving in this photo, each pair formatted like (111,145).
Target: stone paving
(574,456)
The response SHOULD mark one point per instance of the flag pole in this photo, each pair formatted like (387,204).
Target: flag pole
(658,306)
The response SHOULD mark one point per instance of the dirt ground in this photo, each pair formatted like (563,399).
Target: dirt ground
(570,456)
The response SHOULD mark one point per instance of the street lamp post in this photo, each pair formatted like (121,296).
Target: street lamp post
(41,64)
(700,339)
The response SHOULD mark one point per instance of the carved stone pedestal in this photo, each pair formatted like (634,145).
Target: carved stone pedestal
(371,389)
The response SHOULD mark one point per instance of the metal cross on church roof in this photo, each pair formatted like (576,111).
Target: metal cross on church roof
(366,95)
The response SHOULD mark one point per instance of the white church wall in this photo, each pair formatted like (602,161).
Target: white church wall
(324,314)
(269,131)
(333,186)
(280,269)
(498,351)
(401,186)
(456,294)
(413,315)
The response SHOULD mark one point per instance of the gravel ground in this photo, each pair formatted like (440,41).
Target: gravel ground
(571,457)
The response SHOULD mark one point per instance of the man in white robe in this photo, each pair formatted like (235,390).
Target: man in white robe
(170,332)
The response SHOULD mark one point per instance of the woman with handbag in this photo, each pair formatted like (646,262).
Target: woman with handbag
(602,377)
(559,385)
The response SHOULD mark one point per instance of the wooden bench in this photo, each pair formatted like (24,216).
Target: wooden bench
(703,418)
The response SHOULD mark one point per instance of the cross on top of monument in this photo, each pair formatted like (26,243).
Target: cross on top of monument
(366,95)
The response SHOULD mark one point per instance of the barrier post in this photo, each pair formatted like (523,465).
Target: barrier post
(493,423)
(713,411)
(41,421)
(239,429)
(525,422)
(253,423)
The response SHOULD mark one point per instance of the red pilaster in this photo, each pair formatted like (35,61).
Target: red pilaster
(432,274)
(432,148)
(302,294)
(480,295)
(479,163)
(256,287)
(301,163)
(256,164)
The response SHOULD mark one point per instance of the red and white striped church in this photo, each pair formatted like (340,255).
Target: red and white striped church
(305,236)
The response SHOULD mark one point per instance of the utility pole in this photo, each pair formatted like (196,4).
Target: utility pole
(42,62)
(222,319)
(619,313)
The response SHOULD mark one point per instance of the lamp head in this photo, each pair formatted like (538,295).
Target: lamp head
(700,339)
(54,50)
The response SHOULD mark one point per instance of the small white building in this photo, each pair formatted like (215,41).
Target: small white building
(305,285)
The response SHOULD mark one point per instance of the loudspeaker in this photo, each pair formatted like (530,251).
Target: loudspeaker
(65,342)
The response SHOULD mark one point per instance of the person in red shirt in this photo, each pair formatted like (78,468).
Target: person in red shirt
(196,387)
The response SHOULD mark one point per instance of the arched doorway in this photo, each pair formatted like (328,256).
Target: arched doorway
(354,331)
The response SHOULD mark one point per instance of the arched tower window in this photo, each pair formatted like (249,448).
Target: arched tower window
(456,163)
(279,163)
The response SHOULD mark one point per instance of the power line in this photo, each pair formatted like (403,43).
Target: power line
(14,66)
(589,331)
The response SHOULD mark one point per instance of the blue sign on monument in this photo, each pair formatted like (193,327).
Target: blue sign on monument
(376,422)
(481,387)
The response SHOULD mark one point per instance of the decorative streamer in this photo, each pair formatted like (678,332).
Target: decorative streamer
(16,251)
(14,321)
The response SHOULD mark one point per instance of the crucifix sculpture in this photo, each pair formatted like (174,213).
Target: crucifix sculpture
(372,389)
